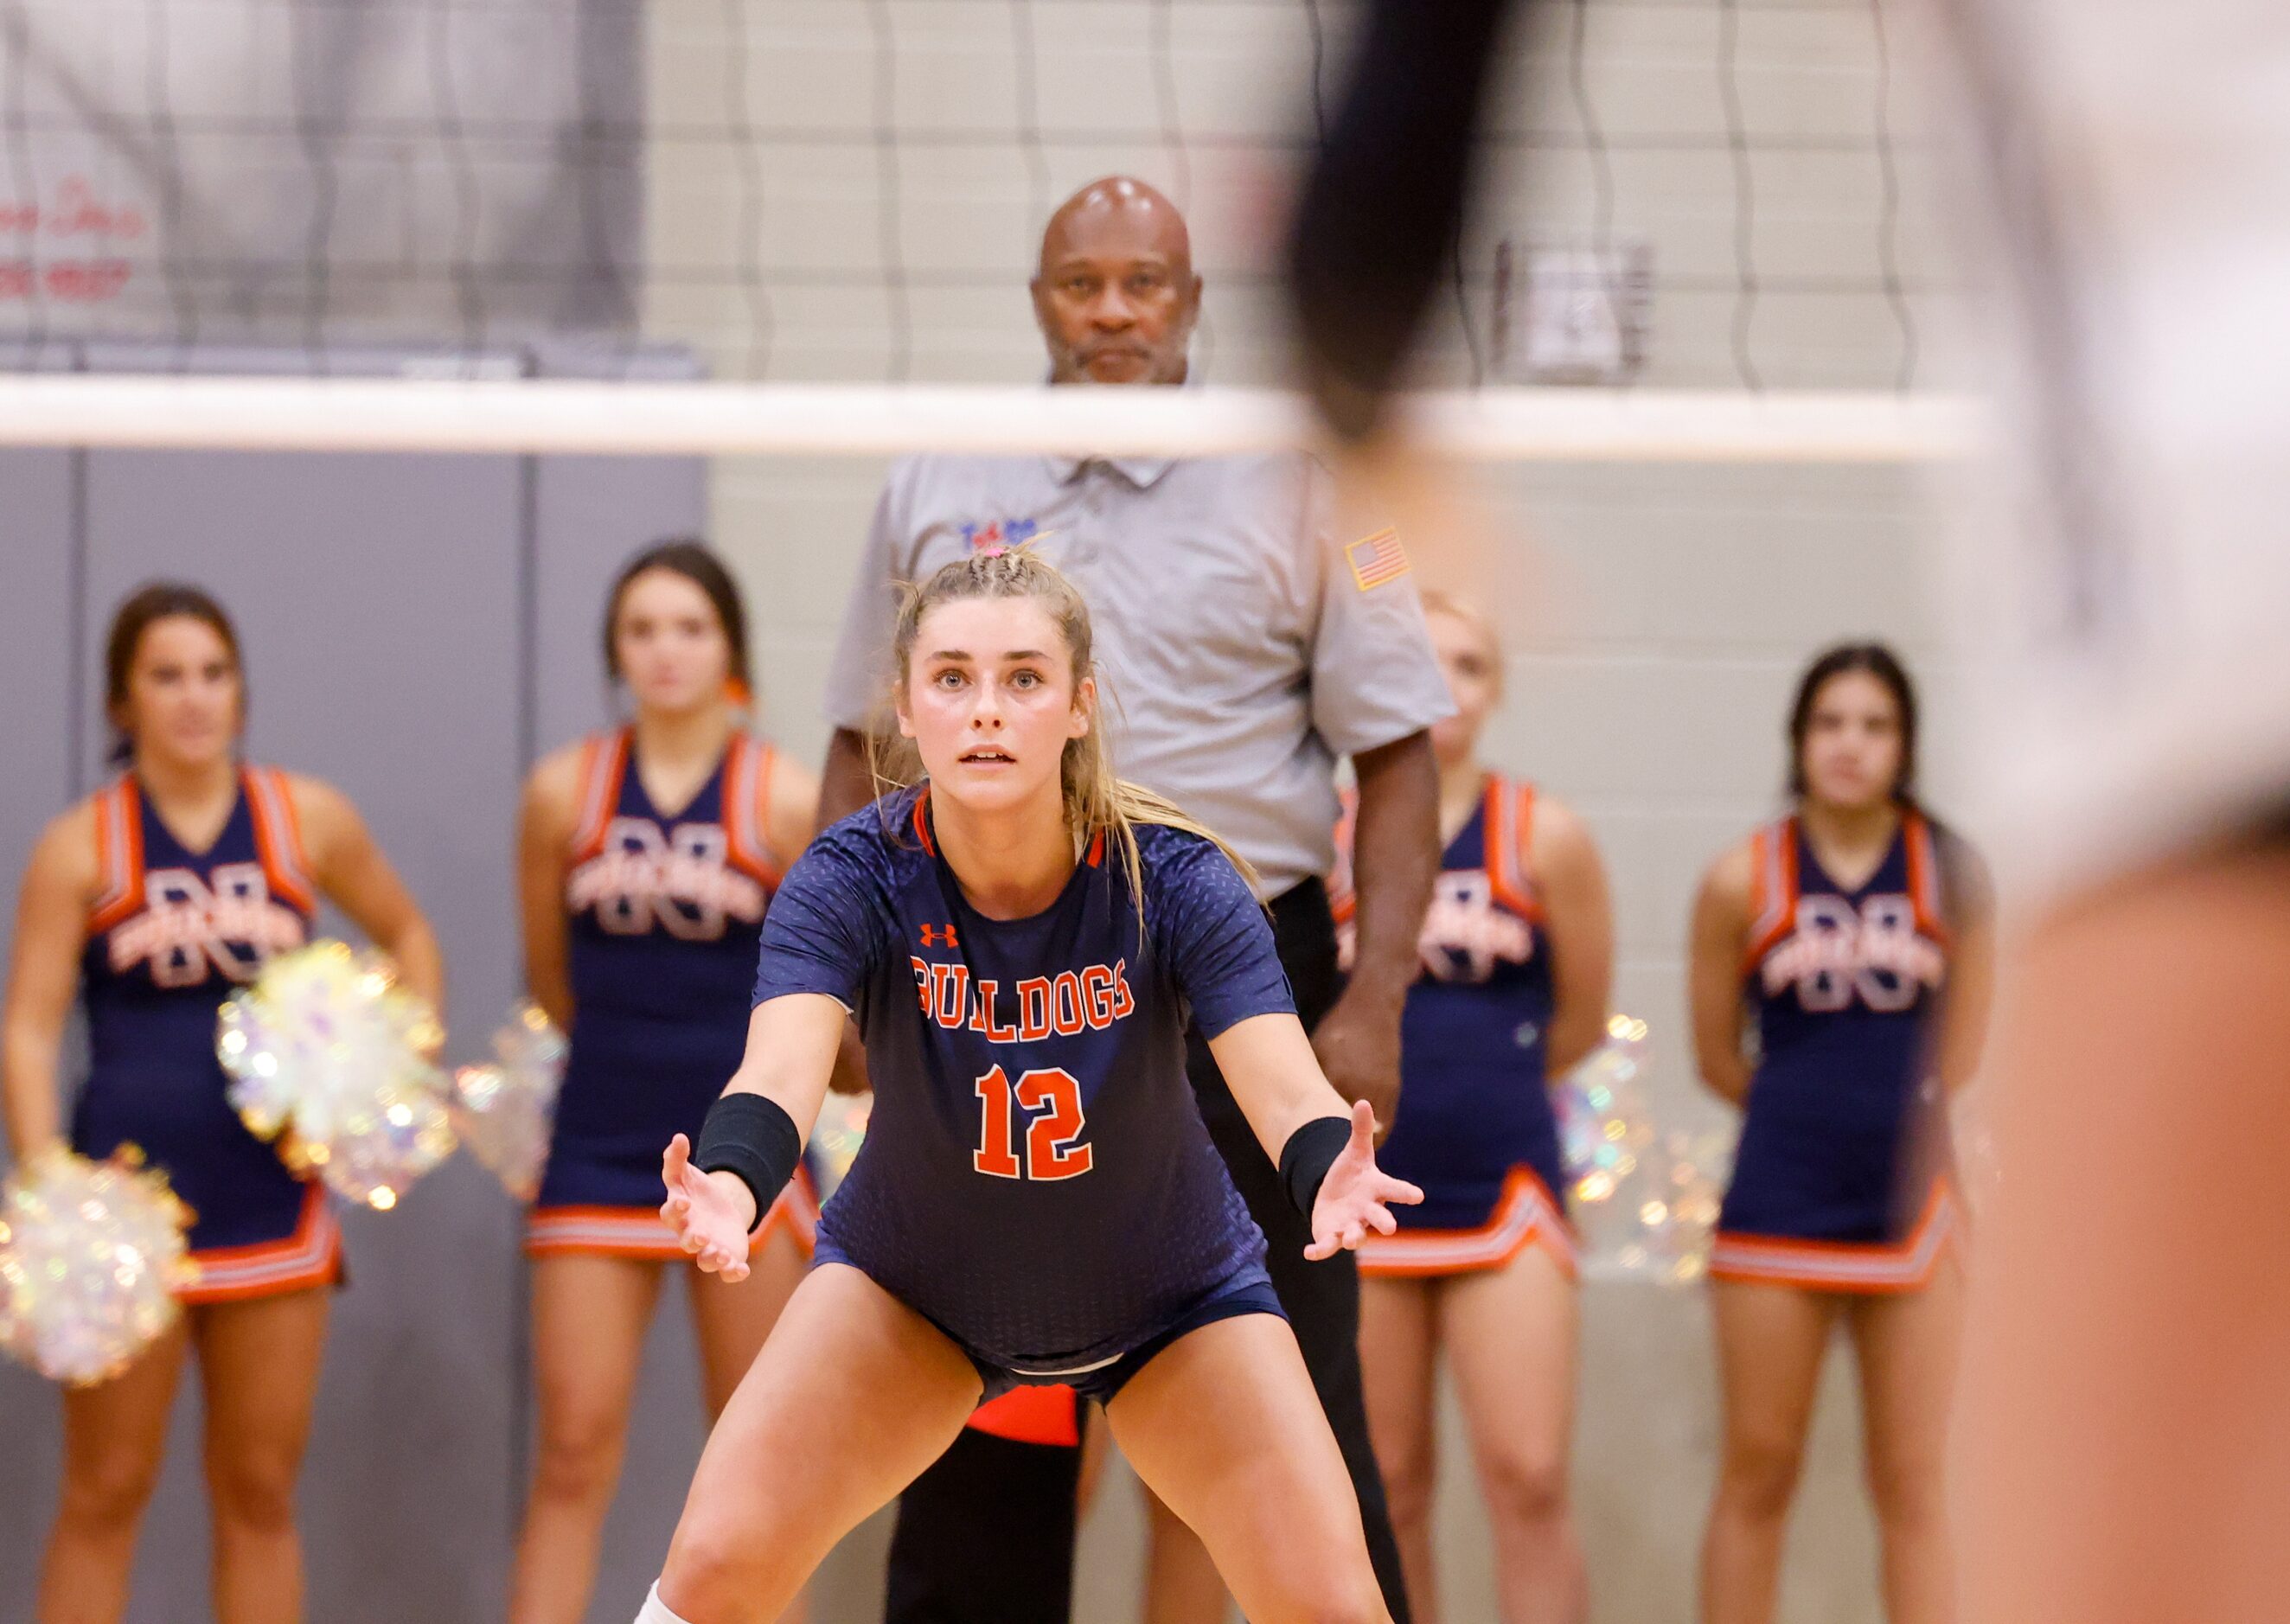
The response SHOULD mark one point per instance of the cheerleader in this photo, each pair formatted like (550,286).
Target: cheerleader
(1843,924)
(1518,954)
(151,901)
(1023,939)
(647,858)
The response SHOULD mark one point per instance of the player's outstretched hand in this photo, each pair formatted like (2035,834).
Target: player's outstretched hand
(711,1213)
(1356,1195)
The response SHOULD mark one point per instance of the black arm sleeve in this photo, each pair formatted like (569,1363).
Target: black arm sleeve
(1305,1159)
(753,1137)
(1382,209)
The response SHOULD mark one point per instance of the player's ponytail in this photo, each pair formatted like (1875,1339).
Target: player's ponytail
(1098,800)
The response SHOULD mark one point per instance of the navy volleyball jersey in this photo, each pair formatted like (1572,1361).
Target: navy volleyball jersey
(1036,1177)
(1475,1126)
(665,913)
(1840,1182)
(174,934)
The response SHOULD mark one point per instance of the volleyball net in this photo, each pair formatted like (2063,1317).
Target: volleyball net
(804,227)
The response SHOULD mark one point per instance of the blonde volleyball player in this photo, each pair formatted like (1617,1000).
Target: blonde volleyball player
(1024,940)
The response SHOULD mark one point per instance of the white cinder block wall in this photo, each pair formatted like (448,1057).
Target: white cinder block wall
(1656,617)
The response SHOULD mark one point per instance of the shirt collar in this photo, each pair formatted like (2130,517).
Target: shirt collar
(1142,472)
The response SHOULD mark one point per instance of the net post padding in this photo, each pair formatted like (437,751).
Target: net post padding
(565,416)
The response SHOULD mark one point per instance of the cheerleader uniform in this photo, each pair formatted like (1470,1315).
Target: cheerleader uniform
(175,933)
(666,913)
(1036,1180)
(1840,1183)
(1474,1127)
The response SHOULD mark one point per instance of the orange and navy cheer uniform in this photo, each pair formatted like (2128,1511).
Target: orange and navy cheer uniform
(1841,1180)
(1475,1126)
(1036,1180)
(173,935)
(666,910)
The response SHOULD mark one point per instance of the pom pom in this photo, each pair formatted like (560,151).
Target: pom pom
(329,1056)
(503,1110)
(90,1256)
(1645,1199)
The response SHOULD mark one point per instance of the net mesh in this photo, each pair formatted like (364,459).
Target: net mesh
(1680,193)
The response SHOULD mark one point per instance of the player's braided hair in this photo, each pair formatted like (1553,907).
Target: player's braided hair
(1097,800)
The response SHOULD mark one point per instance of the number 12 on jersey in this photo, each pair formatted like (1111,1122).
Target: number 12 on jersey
(1049,1151)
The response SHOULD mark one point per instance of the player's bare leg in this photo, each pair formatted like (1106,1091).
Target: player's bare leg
(1225,1426)
(857,1386)
(730,1322)
(1182,1585)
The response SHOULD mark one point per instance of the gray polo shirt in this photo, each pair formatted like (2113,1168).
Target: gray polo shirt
(1244,646)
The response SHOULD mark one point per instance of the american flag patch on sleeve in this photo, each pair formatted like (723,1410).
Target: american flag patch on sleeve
(1376,559)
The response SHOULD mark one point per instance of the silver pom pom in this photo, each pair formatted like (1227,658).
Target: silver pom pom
(90,1257)
(328,1055)
(504,1109)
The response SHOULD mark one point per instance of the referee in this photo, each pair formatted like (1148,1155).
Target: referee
(1247,648)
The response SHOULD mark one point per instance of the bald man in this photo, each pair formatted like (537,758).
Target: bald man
(1248,647)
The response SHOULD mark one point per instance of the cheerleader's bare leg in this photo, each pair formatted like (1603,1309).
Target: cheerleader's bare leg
(1399,1364)
(1510,1335)
(1770,1340)
(114,1440)
(589,1317)
(258,1373)
(1906,1346)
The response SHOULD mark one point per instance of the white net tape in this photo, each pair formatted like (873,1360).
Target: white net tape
(1492,425)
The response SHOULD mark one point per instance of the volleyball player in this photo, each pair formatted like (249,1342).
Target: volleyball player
(1252,643)
(1843,925)
(1518,954)
(151,901)
(1023,939)
(648,856)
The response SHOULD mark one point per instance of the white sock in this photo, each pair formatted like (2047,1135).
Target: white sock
(656,1611)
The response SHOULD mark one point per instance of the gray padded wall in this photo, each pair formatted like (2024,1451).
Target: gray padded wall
(377,600)
(36,562)
(405,641)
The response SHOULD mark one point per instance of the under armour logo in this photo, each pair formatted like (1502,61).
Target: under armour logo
(938,936)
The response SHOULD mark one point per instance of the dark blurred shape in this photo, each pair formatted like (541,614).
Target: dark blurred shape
(1382,209)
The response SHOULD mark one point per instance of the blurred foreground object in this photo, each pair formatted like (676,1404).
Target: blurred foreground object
(329,1055)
